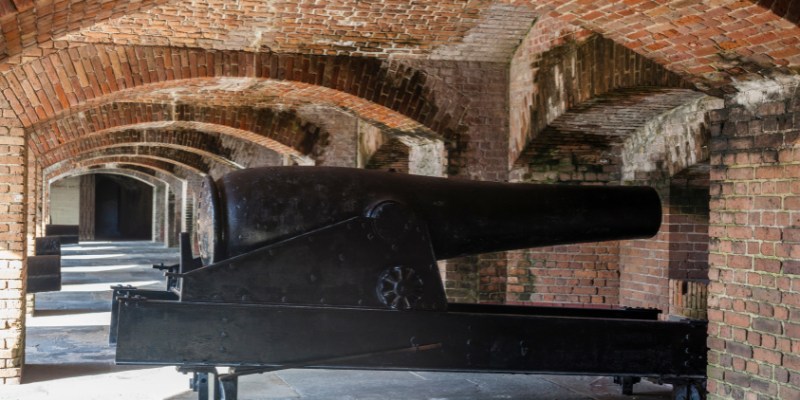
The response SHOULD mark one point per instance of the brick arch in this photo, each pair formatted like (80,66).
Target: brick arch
(707,41)
(184,141)
(189,158)
(711,44)
(274,114)
(550,79)
(628,134)
(161,164)
(41,88)
(172,179)
(149,180)
(142,170)
(197,133)
(167,210)
(31,26)
(670,142)
(264,126)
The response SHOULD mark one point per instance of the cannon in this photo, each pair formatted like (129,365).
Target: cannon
(314,267)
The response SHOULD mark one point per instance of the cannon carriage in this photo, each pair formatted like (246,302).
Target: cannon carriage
(317,267)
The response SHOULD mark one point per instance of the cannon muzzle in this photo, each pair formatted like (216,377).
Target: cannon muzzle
(251,208)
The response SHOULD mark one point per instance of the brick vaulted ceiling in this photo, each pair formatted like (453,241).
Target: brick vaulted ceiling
(61,60)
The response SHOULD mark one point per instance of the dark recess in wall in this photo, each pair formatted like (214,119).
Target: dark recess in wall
(123,208)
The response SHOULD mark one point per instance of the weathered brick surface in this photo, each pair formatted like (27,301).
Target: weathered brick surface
(559,67)
(473,118)
(31,26)
(225,148)
(644,135)
(126,162)
(39,89)
(587,273)
(709,43)
(615,135)
(754,295)
(644,279)
(457,87)
(392,156)
(480,278)
(13,231)
(687,223)
(442,29)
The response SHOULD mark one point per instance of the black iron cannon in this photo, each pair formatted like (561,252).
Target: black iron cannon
(337,268)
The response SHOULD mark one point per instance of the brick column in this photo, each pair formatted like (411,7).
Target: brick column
(474,97)
(35,170)
(754,295)
(87,207)
(13,218)
(172,210)
(160,222)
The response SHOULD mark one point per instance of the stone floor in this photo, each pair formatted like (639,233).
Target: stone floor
(67,355)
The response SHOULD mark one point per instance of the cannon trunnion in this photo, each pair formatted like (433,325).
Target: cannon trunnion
(336,268)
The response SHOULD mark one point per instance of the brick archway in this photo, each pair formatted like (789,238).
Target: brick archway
(163,191)
(190,161)
(132,142)
(95,72)
(161,165)
(180,133)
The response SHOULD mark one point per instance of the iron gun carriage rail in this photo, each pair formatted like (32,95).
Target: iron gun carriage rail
(337,268)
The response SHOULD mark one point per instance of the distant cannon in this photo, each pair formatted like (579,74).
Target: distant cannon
(44,267)
(336,268)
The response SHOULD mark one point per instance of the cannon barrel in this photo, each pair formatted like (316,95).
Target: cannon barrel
(311,267)
(251,208)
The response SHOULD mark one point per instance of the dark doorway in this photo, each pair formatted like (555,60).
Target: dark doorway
(123,208)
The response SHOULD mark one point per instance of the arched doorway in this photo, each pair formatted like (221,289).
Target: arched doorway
(123,208)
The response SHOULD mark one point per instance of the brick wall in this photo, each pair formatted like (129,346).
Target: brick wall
(586,273)
(13,206)
(644,264)
(687,224)
(754,295)
(472,98)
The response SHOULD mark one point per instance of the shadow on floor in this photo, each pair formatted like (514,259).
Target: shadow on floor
(47,372)
(72,311)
